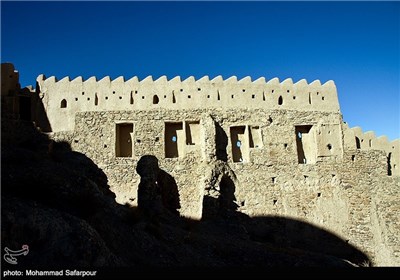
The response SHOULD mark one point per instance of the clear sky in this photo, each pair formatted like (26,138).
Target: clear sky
(356,44)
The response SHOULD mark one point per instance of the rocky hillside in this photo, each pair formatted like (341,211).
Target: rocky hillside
(58,202)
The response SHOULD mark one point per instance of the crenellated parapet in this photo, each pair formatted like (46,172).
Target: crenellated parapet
(63,98)
(355,138)
(190,93)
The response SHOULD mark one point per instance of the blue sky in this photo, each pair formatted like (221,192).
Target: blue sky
(356,44)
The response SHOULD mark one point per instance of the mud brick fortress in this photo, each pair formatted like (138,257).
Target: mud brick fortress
(281,148)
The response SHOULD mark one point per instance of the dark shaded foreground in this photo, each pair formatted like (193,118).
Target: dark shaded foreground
(58,202)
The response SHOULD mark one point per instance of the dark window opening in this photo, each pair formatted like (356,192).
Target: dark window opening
(76,98)
(370,142)
(218,97)
(305,144)
(155,99)
(189,96)
(123,147)
(353,157)
(88,98)
(280,100)
(83,93)
(358,144)
(173,139)
(221,142)
(329,146)
(173,98)
(273,180)
(319,194)
(142,97)
(389,165)
(309,98)
(237,141)
(131,98)
(232,96)
(274,201)
(120,97)
(253,96)
(96,99)
(63,103)
(294,97)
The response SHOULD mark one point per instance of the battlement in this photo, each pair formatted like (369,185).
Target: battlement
(120,94)
(64,98)
(355,138)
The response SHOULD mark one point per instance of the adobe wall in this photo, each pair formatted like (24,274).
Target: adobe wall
(9,89)
(355,138)
(64,98)
(95,135)
(282,147)
(9,79)
(338,192)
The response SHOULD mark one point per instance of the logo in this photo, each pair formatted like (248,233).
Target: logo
(10,255)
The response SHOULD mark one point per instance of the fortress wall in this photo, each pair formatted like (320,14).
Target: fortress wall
(118,94)
(336,197)
(95,135)
(10,87)
(385,207)
(333,193)
(284,146)
(355,138)
(9,80)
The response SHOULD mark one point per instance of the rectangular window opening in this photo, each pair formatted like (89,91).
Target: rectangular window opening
(306,144)
(255,139)
(174,138)
(192,132)
(238,142)
(123,139)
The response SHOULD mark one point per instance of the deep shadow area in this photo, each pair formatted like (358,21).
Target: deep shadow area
(293,236)
(222,203)
(157,189)
(38,112)
(58,202)
(221,140)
